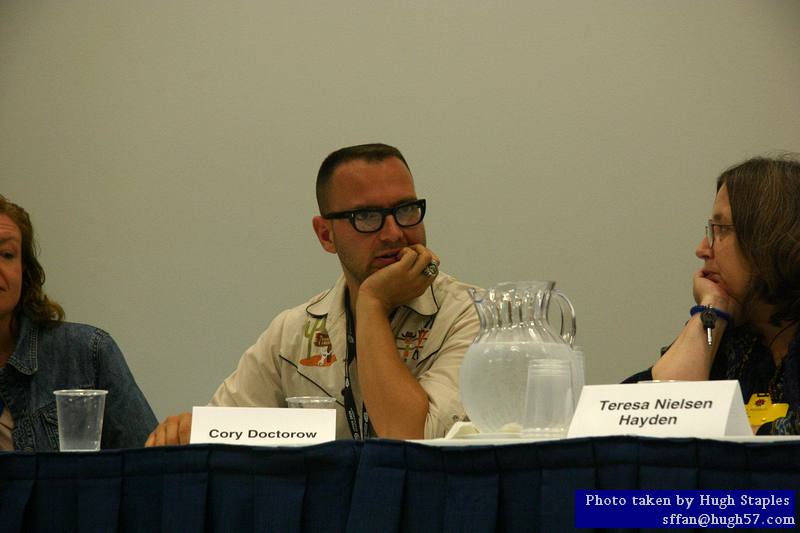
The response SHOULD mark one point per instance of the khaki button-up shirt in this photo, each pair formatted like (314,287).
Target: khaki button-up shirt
(303,352)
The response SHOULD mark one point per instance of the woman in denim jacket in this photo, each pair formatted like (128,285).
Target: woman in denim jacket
(40,353)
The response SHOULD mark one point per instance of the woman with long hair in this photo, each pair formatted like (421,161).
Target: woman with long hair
(40,353)
(749,291)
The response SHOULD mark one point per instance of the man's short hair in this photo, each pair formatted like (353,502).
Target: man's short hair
(371,153)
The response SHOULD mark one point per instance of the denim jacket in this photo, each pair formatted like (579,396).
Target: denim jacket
(70,356)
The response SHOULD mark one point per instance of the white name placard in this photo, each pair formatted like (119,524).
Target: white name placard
(665,409)
(262,426)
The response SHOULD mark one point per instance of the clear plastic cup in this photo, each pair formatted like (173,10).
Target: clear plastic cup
(80,419)
(548,398)
(311,402)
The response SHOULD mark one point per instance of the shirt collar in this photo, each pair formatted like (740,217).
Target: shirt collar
(332,302)
(24,357)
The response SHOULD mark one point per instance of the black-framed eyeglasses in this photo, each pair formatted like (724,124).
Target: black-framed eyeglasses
(715,231)
(371,219)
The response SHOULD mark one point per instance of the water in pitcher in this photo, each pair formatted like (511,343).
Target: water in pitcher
(514,332)
(494,382)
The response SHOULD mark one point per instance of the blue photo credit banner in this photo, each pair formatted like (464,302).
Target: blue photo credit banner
(684,509)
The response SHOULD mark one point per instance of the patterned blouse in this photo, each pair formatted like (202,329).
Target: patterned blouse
(743,356)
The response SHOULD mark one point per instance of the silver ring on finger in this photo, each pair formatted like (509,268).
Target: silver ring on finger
(431,270)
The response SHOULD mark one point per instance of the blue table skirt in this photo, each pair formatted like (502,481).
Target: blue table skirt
(381,485)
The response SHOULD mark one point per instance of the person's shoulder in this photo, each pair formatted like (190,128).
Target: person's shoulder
(450,291)
(73,339)
(319,304)
(71,330)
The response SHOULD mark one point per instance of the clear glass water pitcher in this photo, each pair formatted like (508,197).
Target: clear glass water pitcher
(515,330)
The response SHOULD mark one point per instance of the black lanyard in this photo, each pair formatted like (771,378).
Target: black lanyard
(358,430)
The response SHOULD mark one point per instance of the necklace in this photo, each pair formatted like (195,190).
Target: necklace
(784,328)
(775,386)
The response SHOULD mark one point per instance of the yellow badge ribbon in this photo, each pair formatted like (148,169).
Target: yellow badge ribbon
(760,409)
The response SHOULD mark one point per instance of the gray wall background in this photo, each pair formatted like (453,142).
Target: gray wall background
(167,152)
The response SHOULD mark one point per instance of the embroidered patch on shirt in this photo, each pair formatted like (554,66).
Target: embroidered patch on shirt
(318,344)
(409,344)
(321,359)
(321,339)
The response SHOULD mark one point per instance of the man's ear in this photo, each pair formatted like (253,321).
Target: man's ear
(323,229)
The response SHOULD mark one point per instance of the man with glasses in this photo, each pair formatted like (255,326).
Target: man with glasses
(387,340)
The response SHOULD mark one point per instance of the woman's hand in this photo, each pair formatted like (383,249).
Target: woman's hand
(706,291)
(690,357)
(174,430)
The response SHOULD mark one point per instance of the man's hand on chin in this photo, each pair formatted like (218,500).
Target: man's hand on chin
(399,282)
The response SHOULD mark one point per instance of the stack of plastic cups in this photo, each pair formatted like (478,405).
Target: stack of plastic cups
(548,398)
